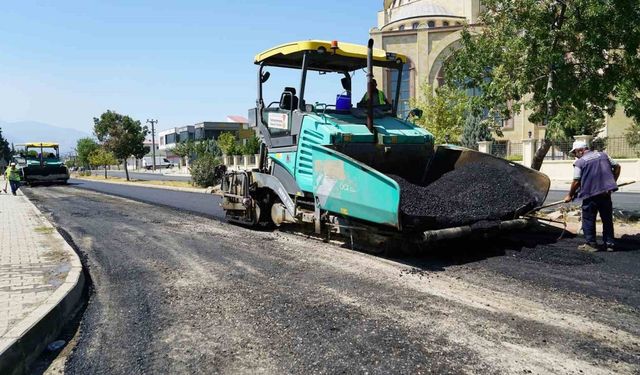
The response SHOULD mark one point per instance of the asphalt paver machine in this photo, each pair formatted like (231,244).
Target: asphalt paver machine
(360,170)
(40,162)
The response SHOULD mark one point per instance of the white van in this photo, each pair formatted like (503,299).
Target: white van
(161,162)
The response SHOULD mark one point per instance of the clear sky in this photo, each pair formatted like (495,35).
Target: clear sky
(182,62)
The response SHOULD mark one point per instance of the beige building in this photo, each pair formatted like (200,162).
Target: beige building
(427,31)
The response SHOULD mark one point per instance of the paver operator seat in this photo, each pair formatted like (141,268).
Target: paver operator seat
(288,99)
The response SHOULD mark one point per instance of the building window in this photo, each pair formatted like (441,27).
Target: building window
(405,89)
(170,138)
(212,134)
(431,24)
(415,25)
(186,136)
(445,23)
(199,134)
(401,27)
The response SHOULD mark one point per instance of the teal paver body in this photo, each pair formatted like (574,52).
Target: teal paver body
(340,183)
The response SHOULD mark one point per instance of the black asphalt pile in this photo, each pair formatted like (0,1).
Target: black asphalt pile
(474,192)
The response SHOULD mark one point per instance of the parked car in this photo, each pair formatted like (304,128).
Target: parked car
(161,162)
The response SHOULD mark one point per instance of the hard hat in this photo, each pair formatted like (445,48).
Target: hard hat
(577,145)
(13,164)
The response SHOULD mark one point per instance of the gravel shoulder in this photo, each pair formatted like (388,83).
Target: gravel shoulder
(176,293)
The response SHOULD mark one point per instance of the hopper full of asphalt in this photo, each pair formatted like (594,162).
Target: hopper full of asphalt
(471,193)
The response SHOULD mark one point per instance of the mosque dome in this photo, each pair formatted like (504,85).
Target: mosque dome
(403,9)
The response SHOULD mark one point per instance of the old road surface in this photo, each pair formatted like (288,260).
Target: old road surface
(178,293)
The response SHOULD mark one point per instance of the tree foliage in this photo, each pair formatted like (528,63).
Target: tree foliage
(5,150)
(84,148)
(443,112)
(206,147)
(102,157)
(228,143)
(197,149)
(566,61)
(183,149)
(121,135)
(474,130)
(203,170)
(252,146)
(633,136)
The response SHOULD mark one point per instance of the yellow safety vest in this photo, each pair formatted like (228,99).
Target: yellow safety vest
(381,99)
(12,174)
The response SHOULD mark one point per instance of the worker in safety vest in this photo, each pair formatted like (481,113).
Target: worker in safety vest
(595,175)
(12,175)
(378,96)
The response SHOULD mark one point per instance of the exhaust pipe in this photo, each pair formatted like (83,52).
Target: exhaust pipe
(370,90)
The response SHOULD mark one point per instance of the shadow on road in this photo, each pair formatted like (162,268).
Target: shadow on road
(543,244)
(439,256)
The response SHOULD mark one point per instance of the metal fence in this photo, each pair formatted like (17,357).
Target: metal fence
(507,150)
(616,147)
(619,148)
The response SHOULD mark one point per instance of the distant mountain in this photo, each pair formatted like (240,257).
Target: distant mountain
(32,131)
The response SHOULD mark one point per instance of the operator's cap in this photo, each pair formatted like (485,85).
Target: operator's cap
(577,145)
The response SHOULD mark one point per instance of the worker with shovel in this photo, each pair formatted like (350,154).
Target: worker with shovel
(594,179)
(12,176)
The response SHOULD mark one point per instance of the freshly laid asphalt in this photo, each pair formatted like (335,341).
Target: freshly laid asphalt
(158,176)
(203,204)
(178,293)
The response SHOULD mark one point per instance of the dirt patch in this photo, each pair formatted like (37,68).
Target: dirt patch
(43,230)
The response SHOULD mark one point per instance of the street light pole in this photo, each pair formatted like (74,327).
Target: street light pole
(153,141)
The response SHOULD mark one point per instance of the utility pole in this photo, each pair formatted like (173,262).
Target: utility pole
(153,141)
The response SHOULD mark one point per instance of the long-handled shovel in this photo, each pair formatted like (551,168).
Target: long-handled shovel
(564,217)
(562,201)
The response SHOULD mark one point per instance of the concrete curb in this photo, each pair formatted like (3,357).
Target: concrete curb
(134,184)
(23,343)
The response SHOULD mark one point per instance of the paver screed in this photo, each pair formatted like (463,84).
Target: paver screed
(33,263)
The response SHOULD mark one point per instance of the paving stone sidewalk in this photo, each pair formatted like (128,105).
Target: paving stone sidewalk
(34,263)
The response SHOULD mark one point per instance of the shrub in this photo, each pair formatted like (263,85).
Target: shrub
(252,146)
(514,158)
(202,170)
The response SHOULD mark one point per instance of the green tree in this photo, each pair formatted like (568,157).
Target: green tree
(102,157)
(121,135)
(84,148)
(184,149)
(5,150)
(474,130)
(206,147)
(202,170)
(633,136)
(559,58)
(442,112)
(228,143)
(252,146)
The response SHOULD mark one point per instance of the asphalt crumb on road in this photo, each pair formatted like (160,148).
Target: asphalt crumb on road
(559,255)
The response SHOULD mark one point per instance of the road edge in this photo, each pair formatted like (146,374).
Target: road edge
(175,188)
(30,337)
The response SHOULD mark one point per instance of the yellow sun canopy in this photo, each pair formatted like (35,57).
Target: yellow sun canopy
(343,57)
(40,144)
